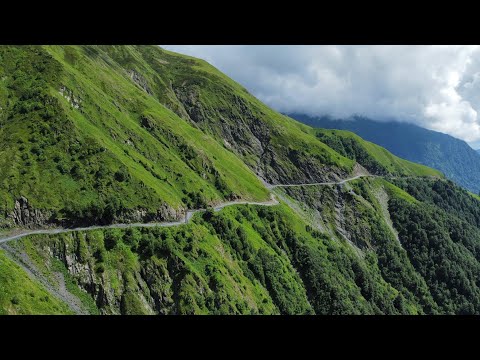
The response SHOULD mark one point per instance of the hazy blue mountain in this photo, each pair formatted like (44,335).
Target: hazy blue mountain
(454,157)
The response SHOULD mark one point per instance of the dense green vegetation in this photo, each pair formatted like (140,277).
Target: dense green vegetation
(245,259)
(438,228)
(445,251)
(254,259)
(362,221)
(453,157)
(444,194)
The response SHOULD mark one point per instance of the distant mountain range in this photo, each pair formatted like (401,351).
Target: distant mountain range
(454,157)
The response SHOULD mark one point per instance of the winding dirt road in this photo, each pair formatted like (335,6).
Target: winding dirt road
(185,220)
(322,183)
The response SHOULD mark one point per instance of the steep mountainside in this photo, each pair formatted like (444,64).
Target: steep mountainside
(366,247)
(277,148)
(102,134)
(82,142)
(20,294)
(453,157)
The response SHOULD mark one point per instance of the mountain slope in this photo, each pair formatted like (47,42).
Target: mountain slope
(274,146)
(374,158)
(22,295)
(171,132)
(368,247)
(81,142)
(453,157)
(102,134)
(246,259)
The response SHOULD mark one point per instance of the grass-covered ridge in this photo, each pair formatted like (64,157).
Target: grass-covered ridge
(453,157)
(101,134)
(275,146)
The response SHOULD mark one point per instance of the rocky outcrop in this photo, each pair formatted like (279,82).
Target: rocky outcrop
(140,81)
(163,213)
(287,166)
(54,284)
(73,100)
(148,289)
(25,215)
(166,212)
(160,285)
(337,210)
(243,131)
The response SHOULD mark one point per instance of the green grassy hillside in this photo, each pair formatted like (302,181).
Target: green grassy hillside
(98,134)
(22,295)
(244,260)
(81,141)
(367,247)
(274,146)
(453,157)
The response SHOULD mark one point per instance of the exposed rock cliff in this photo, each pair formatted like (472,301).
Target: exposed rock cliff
(246,133)
(25,215)
(140,81)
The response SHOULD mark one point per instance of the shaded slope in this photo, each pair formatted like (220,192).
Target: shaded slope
(253,259)
(245,259)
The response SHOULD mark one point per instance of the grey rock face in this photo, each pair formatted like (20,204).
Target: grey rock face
(24,215)
(243,131)
(140,81)
(163,213)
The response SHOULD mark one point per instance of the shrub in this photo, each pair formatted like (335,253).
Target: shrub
(15,300)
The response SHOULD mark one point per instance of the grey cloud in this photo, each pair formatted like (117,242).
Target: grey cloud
(437,87)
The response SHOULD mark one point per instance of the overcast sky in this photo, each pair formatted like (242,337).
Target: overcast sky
(437,87)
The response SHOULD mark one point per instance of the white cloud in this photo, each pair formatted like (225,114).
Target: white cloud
(437,87)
